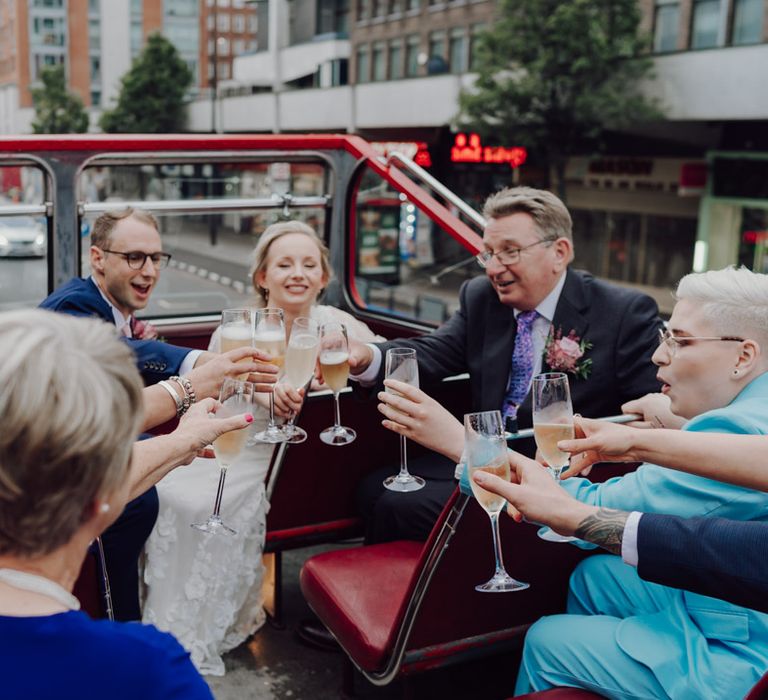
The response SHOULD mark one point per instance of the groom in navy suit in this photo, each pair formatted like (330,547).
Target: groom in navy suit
(126,257)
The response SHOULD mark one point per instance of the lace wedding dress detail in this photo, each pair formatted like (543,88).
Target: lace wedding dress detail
(206,589)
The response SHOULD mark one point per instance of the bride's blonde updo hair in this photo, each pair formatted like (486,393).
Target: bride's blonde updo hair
(270,235)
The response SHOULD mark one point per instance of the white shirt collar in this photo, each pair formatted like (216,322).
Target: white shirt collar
(548,304)
(121,322)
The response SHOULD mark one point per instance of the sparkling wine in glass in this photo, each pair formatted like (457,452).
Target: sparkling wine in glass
(236,332)
(552,422)
(401,364)
(300,359)
(485,447)
(236,398)
(269,336)
(334,362)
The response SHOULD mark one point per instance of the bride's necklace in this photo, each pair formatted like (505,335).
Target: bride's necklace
(39,584)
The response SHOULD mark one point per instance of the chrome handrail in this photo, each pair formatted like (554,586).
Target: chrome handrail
(415,169)
(185,206)
(26,209)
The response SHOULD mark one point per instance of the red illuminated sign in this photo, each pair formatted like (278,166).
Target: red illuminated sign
(468,149)
(754,237)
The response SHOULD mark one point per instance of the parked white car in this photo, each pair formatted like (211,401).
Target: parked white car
(22,236)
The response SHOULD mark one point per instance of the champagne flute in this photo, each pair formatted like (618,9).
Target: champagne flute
(334,362)
(485,447)
(236,397)
(552,422)
(269,336)
(300,358)
(401,364)
(236,332)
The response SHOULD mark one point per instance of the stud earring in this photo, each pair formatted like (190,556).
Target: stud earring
(735,373)
(104,508)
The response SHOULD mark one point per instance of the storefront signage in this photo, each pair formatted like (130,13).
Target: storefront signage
(469,149)
(417,151)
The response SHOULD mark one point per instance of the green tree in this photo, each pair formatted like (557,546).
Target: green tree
(57,111)
(552,75)
(151,99)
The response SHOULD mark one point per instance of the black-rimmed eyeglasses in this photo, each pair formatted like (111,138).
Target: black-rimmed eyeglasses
(136,259)
(508,256)
(673,342)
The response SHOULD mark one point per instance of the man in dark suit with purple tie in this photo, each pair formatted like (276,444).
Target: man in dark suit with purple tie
(531,313)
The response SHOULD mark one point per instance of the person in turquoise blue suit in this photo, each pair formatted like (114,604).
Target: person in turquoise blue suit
(627,638)
(623,637)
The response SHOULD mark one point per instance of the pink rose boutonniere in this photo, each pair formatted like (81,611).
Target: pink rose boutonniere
(566,353)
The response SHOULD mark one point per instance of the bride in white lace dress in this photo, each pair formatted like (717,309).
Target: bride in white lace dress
(206,589)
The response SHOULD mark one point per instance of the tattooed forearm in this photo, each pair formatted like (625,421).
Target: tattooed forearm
(604,528)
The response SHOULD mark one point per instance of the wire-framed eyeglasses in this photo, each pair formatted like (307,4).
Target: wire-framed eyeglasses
(508,256)
(673,342)
(136,259)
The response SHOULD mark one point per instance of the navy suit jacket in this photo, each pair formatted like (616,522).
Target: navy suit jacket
(622,325)
(80,297)
(716,557)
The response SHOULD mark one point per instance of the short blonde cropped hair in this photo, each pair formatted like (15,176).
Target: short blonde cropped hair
(549,214)
(270,235)
(71,403)
(733,300)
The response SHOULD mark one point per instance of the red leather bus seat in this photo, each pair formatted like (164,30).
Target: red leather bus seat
(363,590)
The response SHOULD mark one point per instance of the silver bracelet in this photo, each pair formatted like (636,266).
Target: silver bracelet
(189,392)
(174,395)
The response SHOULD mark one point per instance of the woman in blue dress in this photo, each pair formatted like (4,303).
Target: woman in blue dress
(71,403)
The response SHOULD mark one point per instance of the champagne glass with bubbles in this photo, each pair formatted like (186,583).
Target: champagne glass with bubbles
(401,364)
(485,447)
(269,336)
(236,398)
(552,422)
(300,358)
(236,332)
(334,362)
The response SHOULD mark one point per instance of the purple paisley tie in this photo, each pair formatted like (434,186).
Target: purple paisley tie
(522,364)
